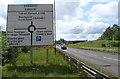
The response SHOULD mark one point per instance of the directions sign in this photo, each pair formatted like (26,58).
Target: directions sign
(30,25)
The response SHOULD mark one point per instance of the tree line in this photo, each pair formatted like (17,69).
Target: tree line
(111,33)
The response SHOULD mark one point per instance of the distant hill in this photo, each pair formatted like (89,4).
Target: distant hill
(111,33)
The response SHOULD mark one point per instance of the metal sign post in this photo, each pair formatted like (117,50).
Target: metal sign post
(31,31)
(54,29)
(55,49)
(47,56)
(47,50)
(31,54)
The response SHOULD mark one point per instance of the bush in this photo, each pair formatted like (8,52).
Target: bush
(10,53)
(116,44)
(25,49)
(103,45)
(113,44)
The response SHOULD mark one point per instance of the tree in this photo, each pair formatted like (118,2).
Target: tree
(116,35)
(107,35)
(111,33)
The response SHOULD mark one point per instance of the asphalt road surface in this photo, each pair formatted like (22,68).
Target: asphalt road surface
(112,50)
(106,61)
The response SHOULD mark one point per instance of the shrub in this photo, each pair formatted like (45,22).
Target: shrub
(116,44)
(103,45)
(10,53)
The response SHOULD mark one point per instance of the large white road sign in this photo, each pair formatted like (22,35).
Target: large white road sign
(30,25)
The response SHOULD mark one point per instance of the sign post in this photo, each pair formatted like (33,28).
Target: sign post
(46,55)
(47,49)
(30,25)
(31,51)
(54,29)
(31,31)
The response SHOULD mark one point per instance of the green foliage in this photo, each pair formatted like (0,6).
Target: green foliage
(103,45)
(25,49)
(57,66)
(116,35)
(111,33)
(107,44)
(63,41)
(113,44)
(9,54)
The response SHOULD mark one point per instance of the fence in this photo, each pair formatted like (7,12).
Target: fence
(82,67)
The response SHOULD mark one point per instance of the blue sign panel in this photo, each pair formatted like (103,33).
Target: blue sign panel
(38,38)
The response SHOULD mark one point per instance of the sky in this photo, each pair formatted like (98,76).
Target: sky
(75,19)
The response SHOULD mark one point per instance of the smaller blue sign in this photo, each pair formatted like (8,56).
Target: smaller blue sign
(38,38)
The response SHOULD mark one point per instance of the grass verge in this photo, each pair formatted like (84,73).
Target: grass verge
(57,66)
(96,50)
(105,44)
(77,46)
(100,51)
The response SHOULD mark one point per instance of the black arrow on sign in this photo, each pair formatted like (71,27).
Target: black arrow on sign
(31,31)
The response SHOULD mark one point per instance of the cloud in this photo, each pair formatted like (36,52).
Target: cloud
(84,2)
(5,2)
(3,10)
(3,23)
(108,11)
(42,1)
(77,29)
(74,21)
(22,1)
(70,37)
(95,27)
(92,36)
(72,26)
(66,9)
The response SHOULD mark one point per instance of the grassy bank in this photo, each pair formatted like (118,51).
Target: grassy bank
(105,44)
(57,66)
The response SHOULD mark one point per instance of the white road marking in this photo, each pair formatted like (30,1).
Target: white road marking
(112,59)
(115,59)
(95,55)
(92,54)
(107,58)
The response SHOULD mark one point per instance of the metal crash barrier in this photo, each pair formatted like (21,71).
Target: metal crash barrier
(82,67)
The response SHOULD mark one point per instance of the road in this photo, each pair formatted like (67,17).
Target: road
(106,61)
(112,50)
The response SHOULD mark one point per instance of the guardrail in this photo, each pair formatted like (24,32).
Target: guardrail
(82,67)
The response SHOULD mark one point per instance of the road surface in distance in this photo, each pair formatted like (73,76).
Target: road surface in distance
(106,61)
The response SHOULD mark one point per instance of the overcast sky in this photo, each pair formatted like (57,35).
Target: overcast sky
(75,19)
